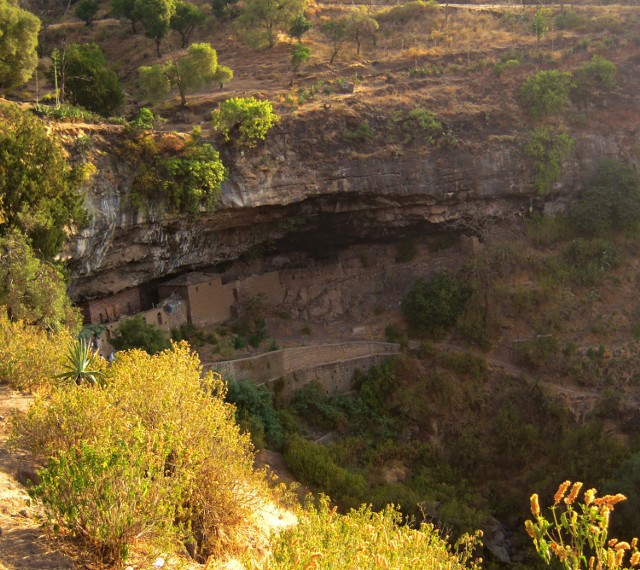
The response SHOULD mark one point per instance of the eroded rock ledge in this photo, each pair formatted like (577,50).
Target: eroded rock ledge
(285,196)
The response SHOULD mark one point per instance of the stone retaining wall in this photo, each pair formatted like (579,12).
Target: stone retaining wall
(332,365)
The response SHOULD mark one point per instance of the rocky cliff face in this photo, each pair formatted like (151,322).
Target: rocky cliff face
(304,190)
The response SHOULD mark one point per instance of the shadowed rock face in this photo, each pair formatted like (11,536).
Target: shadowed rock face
(287,196)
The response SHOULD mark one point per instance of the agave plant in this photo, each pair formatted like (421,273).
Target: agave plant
(81,364)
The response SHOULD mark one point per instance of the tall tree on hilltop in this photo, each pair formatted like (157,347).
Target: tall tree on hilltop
(197,69)
(125,9)
(37,185)
(360,25)
(18,42)
(155,16)
(266,17)
(185,20)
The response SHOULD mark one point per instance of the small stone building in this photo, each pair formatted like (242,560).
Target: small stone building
(208,300)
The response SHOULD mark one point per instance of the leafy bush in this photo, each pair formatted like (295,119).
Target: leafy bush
(362,539)
(86,80)
(363,132)
(31,289)
(30,357)
(136,333)
(547,93)
(313,404)
(255,412)
(568,20)
(39,195)
(610,201)
(313,465)
(246,119)
(182,178)
(418,125)
(431,307)
(590,259)
(153,456)
(548,148)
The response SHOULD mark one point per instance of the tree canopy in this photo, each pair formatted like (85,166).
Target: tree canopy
(86,80)
(32,290)
(185,20)
(246,118)
(155,16)
(18,42)
(195,70)
(265,17)
(38,188)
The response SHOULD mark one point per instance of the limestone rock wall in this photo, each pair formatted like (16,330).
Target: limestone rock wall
(290,194)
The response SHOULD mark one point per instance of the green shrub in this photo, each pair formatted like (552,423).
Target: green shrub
(431,307)
(548,148)
(182,178)
(418,125)
(610,201)
(597,75)
(363,132)
(313,465)
(547,93)
(255,411)
(245,119)
(136,333)
(589,260)
(314,405)
(568,20)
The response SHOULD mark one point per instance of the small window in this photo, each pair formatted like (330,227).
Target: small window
(159,318)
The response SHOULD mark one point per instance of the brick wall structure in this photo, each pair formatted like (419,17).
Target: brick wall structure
(110,309)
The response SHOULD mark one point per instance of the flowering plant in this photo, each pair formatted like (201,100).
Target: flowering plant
(577,533)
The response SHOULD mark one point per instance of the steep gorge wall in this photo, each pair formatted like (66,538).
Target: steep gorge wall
(296,192)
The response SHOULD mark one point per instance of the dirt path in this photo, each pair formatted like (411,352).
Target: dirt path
(23,543)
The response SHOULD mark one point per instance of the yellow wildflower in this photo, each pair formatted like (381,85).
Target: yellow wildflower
(589,496)
(535,506)
(574,493)
(623,546)
(562,489)
(635,559)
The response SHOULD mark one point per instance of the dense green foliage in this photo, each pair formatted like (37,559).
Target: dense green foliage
(37,185)
(261,20)
(32,290)
(18,41)
(547,147)
(136,333)
(198,68)
(431,307)
(360,25)
(335,30)
(155,16)
(312,464)
(610,200)
(299,27)
(125,9)
(185,20)
(547,93)
(87,11)
(255,413)
(417,125)
(178,177)
(597,75)
(154,455)
(86,80)
(245,120)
